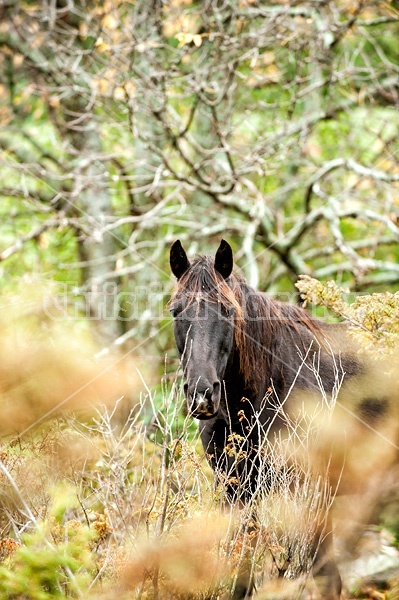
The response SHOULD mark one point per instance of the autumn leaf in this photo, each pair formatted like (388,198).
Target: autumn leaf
(109,22)
(101,45)
(187,38)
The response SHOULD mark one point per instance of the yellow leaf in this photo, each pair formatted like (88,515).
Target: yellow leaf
(17,59)
(378,145)
(101,45)
(185,22)
(272,69)
(101,85)
(5,115)
(130,88)
(267,58)
(43,241)
(119,93)
(178,3)
(184,38)
(83,29)
(54,100)
(109,22)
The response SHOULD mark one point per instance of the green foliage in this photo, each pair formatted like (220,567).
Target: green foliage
(55,561)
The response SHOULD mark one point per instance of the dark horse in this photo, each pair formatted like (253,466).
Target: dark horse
(243,354)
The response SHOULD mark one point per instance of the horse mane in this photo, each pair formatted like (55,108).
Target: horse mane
(262,325)
(265,330)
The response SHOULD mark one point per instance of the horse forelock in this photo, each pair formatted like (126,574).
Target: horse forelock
(202,282)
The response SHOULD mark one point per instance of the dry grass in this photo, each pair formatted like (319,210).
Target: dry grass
(129,509)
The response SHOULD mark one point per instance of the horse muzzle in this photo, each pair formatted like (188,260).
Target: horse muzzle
(204,404)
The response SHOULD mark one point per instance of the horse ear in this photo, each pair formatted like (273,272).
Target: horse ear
(224,259)
(179,262)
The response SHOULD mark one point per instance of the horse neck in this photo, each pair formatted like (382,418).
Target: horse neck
(236,385)
(234,381)
(269,332)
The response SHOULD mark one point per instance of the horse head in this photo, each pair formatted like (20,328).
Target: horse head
(203,311)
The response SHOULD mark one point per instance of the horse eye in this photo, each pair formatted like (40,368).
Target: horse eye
(175,311)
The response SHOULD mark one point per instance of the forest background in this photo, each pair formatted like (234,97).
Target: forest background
(124,126)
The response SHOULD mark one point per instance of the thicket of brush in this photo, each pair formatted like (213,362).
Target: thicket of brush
(96,506)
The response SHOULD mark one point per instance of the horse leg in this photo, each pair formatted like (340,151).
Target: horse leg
(214,437)
(324,570)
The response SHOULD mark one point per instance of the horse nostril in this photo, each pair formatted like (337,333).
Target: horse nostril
(202,394)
